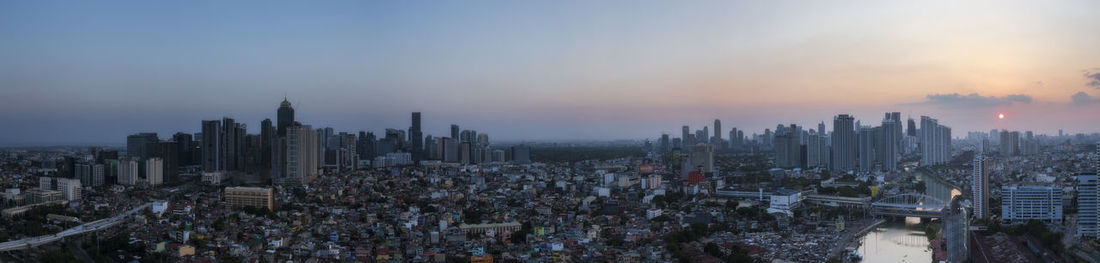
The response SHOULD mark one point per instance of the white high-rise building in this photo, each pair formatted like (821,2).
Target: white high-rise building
(128,171)
(935,142)
(1020,203)
(154,171)
(817,152)
(1087,210)
(70,188)
(302,162)
(980,186)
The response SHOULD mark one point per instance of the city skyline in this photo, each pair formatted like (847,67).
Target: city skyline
(80,73)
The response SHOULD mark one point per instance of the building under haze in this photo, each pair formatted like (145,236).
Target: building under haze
(935,142)
(843,143)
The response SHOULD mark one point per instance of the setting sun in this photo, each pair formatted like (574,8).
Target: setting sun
(1001,116)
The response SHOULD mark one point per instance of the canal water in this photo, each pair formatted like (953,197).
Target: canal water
(896,242)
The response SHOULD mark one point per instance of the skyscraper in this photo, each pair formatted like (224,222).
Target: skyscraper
(685,136)
(911,130)
(154,171)
(232,145)
(211,146)
(285,116)
(817,152)
(980,186)
(664,145)
(1010,143)
(788,153)
(416,136)
(268,135)
(891,136)
(454,131)
(302,162)
(717,131)
(866,148)
(135,144)
(844,143)
(935,142)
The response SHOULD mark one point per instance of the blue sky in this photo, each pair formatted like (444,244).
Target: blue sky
(93,72)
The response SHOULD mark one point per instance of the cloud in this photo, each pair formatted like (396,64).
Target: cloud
(973,100)
(1082,98)
(1093,78)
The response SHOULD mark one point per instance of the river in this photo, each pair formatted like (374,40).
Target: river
(896,242)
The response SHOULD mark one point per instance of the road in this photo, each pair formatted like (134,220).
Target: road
(81,229)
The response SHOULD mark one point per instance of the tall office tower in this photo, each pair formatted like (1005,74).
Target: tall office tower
(128,171)
(1020,203)
(705,138)
(454,131)
(935,142)
(430,148)
(767,139)
(483,139)
(448,149)
(1060,134)
(888,155)
(83,172)
(821,129)
(701,136)
(788,153)
(349,157)
(1087,209)
(740,138)
(465,152)
(980,186)
(267,141)
(896,116)
(817,152)
(912,129)
(211,146)
(154,171)
(185,148)
(98,174)
(302,162)
(285,117)
(684,136)
(1029,146)
(717,131)
(1010,143)
(166,152)
(135,144)
(843,143)
(232,144)
(734,141)
(366,145)
(664,145)
(866,149)
(417,137)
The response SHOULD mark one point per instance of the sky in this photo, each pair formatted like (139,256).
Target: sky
(92,72)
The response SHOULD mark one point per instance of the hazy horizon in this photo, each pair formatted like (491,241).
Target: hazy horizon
(92,73)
